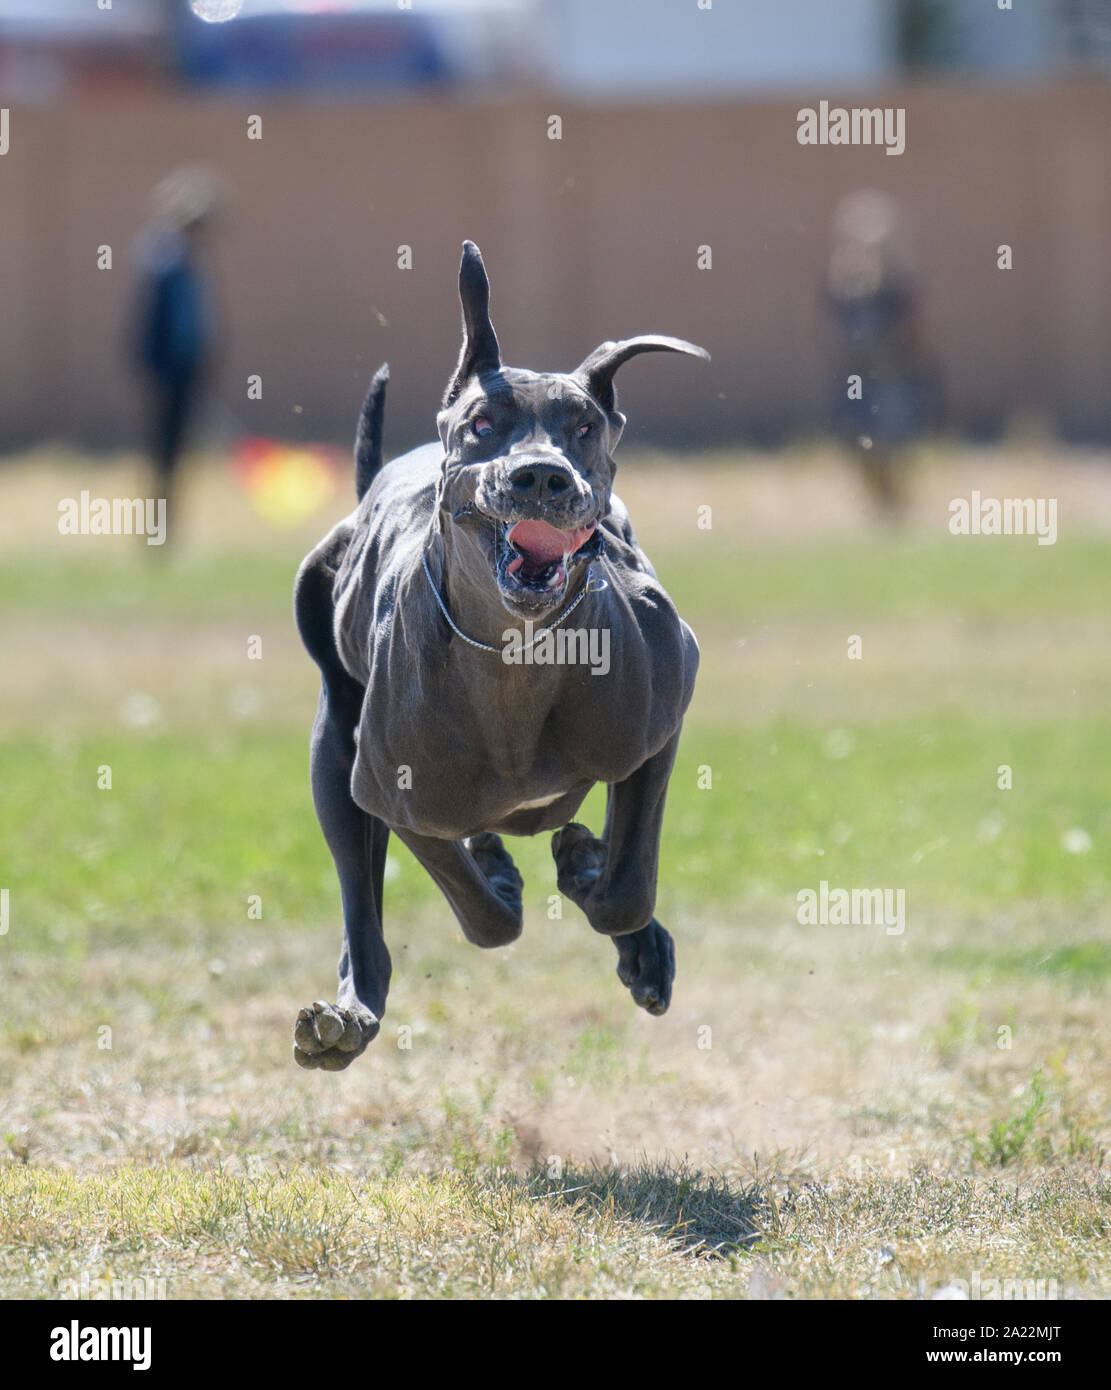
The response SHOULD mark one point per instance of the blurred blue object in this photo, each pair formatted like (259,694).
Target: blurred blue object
(324,52)
(175,334)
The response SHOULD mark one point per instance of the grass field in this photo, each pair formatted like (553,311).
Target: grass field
(826,1111)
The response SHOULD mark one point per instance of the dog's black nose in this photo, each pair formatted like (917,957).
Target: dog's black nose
(540,482)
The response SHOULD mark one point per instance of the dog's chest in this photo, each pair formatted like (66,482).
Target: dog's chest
(465,766)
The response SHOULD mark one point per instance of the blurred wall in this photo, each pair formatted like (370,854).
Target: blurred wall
(589,237)
(668,49)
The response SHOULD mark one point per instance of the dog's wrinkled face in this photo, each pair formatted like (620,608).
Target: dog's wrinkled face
(528,457)
(528,466)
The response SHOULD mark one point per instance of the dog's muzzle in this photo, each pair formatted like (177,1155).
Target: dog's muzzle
(545,523)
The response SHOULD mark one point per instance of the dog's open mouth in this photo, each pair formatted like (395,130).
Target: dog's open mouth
(534,558)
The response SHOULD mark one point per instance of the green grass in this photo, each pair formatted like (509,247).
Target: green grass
(663,1232)
(886,576)
(710,577)
(192,826)
(190,588)
(1087,963)
(1009,1135)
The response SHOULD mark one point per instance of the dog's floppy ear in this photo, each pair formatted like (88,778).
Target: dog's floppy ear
(596,371)
(480,352)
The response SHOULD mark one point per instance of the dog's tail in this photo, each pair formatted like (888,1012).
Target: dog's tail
(368,437)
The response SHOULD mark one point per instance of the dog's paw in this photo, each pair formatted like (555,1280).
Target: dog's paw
(501,873)
(579,858)
(646,966)
(331,1036)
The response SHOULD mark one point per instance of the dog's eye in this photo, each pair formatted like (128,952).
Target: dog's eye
(481,426)
(582,431)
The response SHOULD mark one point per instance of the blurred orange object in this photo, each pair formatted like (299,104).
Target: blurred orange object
(287,483)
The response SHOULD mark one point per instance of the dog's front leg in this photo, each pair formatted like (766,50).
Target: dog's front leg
(479,880)
(613,879)
(325,1035)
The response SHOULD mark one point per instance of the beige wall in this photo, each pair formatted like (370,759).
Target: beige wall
(591,237)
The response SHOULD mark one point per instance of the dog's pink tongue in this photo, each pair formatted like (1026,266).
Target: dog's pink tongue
(543,543)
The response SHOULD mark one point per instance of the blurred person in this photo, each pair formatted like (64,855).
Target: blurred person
(872,293)
(176,332)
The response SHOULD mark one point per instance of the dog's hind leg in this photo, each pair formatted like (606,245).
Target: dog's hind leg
(479,880)
(326,1035)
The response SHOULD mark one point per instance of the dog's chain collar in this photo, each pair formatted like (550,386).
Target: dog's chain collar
(592,586)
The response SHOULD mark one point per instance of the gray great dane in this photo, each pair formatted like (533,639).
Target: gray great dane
(433,611)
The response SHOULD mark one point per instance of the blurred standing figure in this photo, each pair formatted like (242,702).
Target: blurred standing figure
(176,330)
(883,389)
